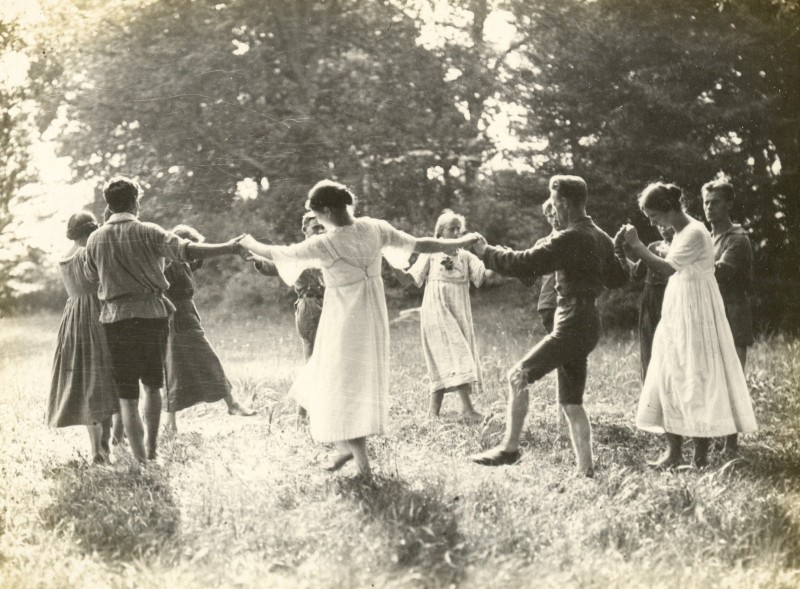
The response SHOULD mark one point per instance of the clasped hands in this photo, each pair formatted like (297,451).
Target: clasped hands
(627,234)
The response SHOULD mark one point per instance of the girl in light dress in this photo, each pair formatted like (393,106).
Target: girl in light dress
(694,385)
(448,334)
(82,388)
(345,383)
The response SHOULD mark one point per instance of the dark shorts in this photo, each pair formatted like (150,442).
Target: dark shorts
(307,312)
(575,334)
(137,348)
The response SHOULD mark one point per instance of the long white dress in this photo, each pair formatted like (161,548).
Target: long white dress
(695,385)
(345,383)
(448,334)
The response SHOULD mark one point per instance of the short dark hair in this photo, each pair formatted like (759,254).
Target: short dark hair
(327,193)
(188,232)
(121,194)
(663,197)
(81,225)
(571,188)
(721,187)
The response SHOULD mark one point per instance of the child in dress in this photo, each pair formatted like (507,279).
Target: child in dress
(345,383)
(82,390)
(695,385)
(448,335)
(655,283)
(193,371)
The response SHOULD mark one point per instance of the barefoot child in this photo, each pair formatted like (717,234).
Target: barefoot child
(448,335)
(82,388)
(345,383)
(193,371)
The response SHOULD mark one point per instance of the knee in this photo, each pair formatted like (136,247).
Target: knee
(518,378)
(572,411)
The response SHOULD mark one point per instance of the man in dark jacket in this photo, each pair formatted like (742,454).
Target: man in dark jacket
(582,256)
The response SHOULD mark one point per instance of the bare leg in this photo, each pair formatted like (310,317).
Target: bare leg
(105,437)
(95,434)
(673,456)
(701,452)
(234,408)
(152,418)
(437,397)
(517,409)
(342,457)
(358,447)
(580,431)
(467,410)
(132,423)
(117,430)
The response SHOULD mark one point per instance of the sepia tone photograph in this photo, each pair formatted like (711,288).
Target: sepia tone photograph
(399,293)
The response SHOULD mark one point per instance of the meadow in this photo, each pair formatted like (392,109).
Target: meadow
(243,502)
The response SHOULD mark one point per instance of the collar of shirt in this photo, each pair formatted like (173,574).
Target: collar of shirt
(121,218)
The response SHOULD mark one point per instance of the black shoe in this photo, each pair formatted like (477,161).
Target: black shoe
(496,457)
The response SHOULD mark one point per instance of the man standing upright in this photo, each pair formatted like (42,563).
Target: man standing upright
(582,255)
(127,257)
(733,270)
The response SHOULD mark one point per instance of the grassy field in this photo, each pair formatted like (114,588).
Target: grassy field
(242,502)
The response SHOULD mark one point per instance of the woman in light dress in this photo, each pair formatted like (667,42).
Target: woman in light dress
(448,334)
(345,383)
(694,385)
(82,389)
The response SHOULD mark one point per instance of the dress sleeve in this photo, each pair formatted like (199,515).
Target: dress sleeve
(397,245)
(89,267)
(419,270)
(291,260)
(475,267)
(686,248)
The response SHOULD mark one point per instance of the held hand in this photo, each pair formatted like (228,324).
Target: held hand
(246,240)
(631,235)
(479,245)
(619,238)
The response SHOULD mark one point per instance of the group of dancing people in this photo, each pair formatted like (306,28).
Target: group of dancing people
(130,319)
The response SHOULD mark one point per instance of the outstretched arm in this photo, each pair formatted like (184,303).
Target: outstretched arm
(202,251)
(258,248)
(432,245)
(526,265)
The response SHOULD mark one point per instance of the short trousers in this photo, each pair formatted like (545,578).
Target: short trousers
(137,347)
(566,349)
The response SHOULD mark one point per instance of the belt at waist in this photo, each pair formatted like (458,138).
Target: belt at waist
(136,297)
(579,299)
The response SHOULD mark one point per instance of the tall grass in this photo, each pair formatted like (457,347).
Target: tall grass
(242,502)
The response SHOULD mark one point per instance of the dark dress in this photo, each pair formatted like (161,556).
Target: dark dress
(194,373)
(82,388)
(652,299)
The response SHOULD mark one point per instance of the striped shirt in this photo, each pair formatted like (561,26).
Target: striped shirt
(127,257)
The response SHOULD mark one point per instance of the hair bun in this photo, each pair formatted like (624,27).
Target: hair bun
(81,225)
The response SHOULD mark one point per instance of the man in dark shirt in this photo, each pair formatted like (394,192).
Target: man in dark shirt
(733,269)
(582,256)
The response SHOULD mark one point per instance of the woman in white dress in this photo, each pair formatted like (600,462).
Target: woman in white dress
(345,383)
(695,385)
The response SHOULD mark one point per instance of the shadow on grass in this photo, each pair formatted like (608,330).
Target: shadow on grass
(122,512)
(426,528)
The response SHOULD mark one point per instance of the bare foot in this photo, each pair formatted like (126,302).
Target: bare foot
(665,462)
(338,462)
(236,409)
(471,416)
